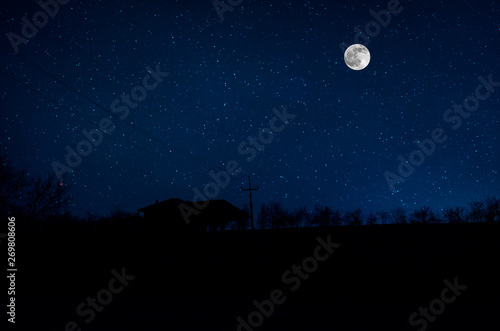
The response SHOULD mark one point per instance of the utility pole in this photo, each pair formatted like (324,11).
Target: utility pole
(250,189)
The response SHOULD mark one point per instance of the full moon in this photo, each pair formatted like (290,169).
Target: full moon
(357,57)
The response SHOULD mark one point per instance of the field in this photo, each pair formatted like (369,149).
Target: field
(374,280)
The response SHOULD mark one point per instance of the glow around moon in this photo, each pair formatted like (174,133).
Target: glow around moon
(357,57)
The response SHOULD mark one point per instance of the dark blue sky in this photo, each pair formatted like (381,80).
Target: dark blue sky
(225,78)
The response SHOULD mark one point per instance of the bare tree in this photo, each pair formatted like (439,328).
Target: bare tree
(421,215)
(316,215)
(264,217)
(326,215)
(491,209)
(372,219)
(298,217)
(434,218)
(336,218)
(47,197)
(383,216)
(354,217)
(322,215)
(398,215)
(36,197)
(279,215)
(477,211)
(455,215)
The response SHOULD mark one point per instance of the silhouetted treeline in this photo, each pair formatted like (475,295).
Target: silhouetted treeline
(42,198)
(274,215)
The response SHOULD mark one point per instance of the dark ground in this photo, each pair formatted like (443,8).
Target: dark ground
(375,280)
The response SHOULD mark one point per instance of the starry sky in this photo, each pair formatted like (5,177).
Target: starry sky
(224,80)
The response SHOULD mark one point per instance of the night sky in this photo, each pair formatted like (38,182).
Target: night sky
(226,77)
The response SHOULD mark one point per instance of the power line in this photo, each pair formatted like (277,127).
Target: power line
(250,189)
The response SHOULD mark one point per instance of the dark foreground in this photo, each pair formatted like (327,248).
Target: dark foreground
(375,279)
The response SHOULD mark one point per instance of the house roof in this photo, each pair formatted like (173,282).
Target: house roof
(167,204)
(215,208)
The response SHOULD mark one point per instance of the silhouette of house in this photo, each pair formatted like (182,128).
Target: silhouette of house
(215,216)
